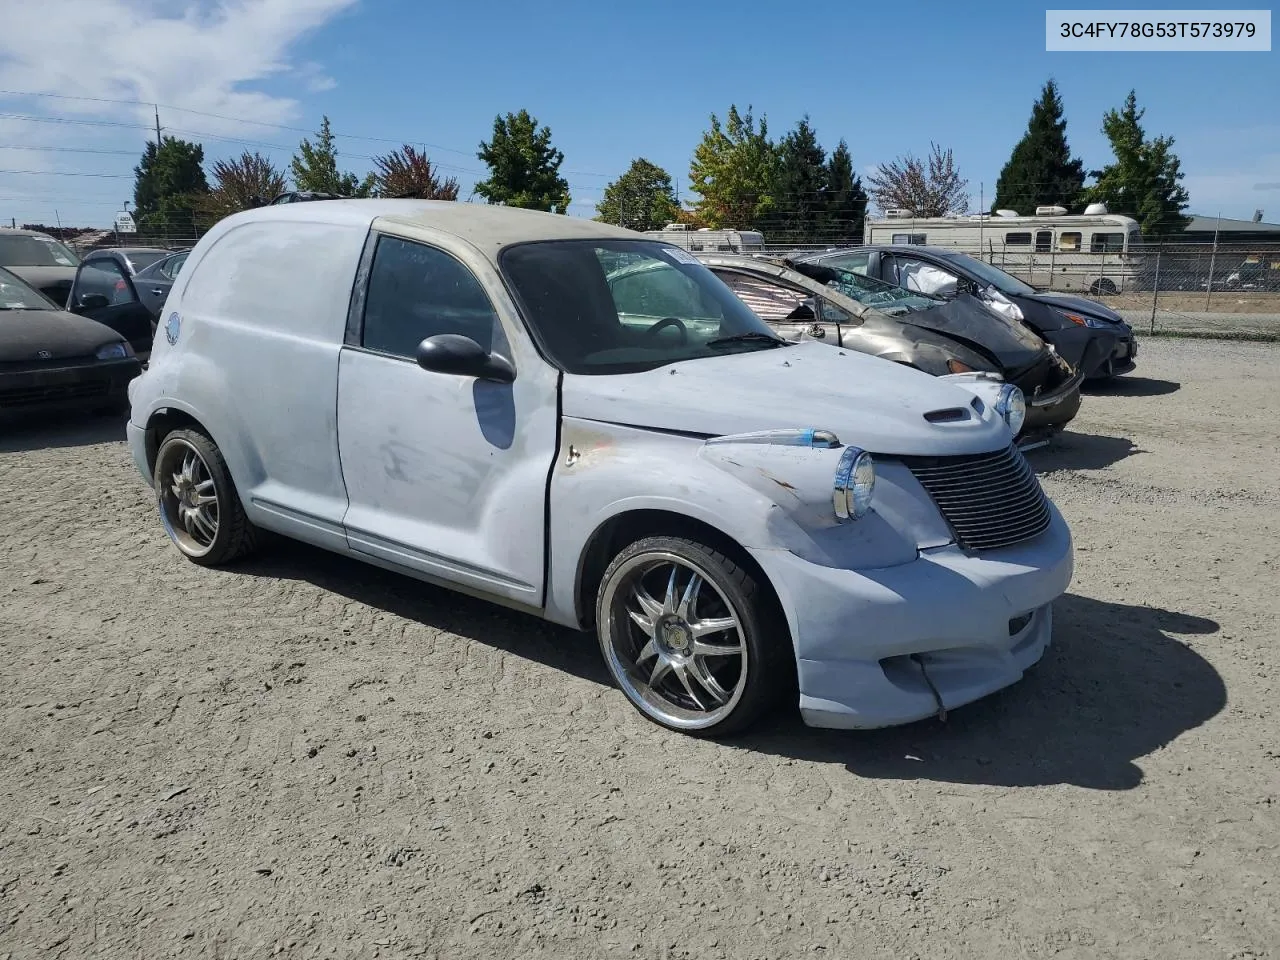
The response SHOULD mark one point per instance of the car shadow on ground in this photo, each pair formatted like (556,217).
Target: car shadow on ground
(42,431)
(1081,451)
(1112,688)
(1130,386)
(511,631)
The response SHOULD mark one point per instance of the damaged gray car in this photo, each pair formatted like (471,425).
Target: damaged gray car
(810,301)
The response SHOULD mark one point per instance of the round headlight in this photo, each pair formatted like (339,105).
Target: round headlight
(855,482)
(1012,407)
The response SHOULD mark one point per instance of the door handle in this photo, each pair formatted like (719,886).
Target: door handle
(156,291)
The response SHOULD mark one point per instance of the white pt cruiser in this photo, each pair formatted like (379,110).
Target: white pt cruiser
(498,401)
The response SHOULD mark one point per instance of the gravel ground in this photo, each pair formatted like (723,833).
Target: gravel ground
(309,757)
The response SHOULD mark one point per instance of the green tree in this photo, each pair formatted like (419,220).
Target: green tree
(169,184)
(1145,179)
(641,199)
(846,200)
(409,173)
(240,184)
(733,172)
(315,167)
(799,189)
(524,168)
(1041,171)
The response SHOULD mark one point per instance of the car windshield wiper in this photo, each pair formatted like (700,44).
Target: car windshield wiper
(752,337)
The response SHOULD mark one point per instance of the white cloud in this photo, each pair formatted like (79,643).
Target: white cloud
(212,56)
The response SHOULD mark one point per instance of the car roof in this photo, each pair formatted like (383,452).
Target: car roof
(124,251)
(487,227)
(19,232)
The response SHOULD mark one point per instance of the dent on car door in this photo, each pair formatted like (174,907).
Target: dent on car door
(103,292)
(445,474)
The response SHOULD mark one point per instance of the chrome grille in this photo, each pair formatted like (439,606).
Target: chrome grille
(990,500)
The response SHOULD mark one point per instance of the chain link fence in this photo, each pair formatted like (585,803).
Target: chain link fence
(1176,288)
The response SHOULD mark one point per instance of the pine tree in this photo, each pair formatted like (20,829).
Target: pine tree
(524,168)
(169,186)
(315,167)
(641,199)
(1145,180)
(799,185)
(846,200)
(1041,171)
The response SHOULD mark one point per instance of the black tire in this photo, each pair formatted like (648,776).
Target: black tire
(760,678)
(1102,287)
(234,536)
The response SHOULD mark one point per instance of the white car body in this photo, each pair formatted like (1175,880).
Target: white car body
(510,491)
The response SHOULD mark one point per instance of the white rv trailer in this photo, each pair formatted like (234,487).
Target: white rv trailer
(704,239)
(1096,251)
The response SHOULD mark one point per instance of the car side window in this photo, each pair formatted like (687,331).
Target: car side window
(921,277)
(105,277)
(171,268)
(769,301)
(415,292)
(859,263)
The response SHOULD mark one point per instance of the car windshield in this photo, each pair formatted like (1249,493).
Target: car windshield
(622,306)
(991,276)
(24,251)
(16,295)
(870,292)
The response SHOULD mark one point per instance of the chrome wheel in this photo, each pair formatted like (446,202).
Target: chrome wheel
(673,640)
(188,498)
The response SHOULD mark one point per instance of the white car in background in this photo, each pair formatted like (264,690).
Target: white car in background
(453,392)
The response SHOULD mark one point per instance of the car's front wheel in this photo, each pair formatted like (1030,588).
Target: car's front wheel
(199,506)
(690,637)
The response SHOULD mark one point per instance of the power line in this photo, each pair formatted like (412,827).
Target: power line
(261,123)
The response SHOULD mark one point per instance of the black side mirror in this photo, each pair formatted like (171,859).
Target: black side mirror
(93,301)
(463,357)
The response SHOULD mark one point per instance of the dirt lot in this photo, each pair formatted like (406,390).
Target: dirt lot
(309,757)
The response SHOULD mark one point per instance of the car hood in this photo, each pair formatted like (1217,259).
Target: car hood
(24,333)
(965,319)
(1065,301)
(870,403)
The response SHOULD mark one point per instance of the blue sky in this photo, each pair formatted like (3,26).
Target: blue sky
(613,82)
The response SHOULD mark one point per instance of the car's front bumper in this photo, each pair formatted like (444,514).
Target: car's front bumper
(873,647)
(61,385)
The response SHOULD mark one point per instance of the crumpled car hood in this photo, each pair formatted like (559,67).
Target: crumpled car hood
(870,403)
(965,318)
(1066,301)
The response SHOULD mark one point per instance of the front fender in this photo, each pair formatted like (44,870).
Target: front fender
(762,496)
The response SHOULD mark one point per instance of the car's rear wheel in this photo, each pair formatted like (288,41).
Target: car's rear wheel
(690,637)
(1102,287)
(198,503)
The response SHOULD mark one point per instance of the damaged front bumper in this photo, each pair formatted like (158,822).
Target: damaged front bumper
(877,648)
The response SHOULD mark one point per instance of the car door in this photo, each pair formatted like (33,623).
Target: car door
(154,283)
(445,474)
(103,291)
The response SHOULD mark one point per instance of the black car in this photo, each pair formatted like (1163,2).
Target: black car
(1091,337)
(51,359)
(119,287)
(304,196)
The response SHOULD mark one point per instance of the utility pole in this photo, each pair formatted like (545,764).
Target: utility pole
(164,226)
